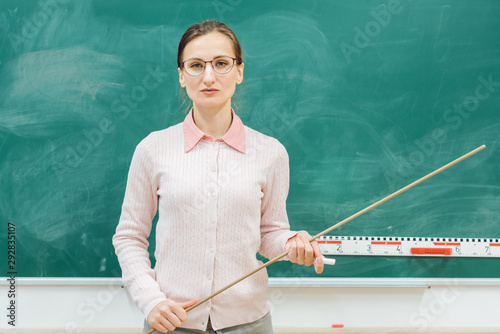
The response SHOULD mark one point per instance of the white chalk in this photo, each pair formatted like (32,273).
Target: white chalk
(328,261)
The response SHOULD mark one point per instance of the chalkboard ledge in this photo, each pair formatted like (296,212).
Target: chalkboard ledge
(280,282)
(379,282)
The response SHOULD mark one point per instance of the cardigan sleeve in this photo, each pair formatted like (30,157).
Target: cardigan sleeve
(274,227)
(130,241)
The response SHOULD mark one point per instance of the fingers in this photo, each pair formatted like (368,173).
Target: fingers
(176,315)
(301,251)
(318,263)
(159,327)
(168,315)
(189,303)
(291,247)
(296,250)
(305,252)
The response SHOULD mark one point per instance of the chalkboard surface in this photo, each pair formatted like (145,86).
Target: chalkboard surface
(367,96)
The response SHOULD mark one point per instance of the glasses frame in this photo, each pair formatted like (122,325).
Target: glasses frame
(211,63)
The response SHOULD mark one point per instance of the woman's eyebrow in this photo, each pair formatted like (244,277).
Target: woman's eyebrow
(220,56)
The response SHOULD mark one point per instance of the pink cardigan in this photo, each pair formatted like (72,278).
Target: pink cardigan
(220,202)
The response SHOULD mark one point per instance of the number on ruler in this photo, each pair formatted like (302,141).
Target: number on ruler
(339,248)
(457,249)
(488,250)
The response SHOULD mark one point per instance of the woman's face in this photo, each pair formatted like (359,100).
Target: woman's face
(210,89)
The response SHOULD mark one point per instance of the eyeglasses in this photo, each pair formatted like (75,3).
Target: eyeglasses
(221,65)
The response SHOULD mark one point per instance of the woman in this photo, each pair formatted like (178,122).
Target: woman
(220,188)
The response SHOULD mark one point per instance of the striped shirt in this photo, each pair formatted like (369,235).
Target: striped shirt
(219,203)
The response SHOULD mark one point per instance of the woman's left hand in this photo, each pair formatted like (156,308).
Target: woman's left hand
(301,251)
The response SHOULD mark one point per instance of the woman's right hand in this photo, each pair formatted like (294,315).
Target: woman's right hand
(168,315)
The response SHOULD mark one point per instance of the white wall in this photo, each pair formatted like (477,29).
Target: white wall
(298,305)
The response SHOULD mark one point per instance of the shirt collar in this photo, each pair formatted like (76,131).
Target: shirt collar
(234,137)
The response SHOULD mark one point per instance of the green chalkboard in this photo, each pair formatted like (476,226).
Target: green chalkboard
(367,96)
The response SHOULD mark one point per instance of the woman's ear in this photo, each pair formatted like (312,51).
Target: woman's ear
(181,77)
(239,75)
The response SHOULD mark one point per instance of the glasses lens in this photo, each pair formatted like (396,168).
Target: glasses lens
(194,67)
(222,65)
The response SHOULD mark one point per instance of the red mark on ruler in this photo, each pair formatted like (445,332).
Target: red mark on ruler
(447,243)
(386,242)
(431,251)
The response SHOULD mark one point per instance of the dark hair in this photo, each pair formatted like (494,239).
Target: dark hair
(206,27)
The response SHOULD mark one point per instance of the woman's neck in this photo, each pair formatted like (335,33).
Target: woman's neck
(214,122)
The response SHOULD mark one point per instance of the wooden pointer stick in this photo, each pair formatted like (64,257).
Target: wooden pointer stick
(439,170)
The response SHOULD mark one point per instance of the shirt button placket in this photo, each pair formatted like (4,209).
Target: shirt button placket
(214,180)
(212,211)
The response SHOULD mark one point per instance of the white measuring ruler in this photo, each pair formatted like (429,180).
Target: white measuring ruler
(409,246)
